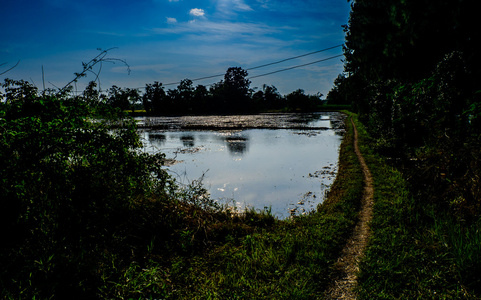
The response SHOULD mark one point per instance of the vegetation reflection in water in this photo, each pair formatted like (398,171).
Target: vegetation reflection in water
(286,170)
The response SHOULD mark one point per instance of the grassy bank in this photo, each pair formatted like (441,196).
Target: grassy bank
(417,250)
(287,260)
(105,234)
(85,215)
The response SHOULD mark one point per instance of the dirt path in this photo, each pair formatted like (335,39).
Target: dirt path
(347,264)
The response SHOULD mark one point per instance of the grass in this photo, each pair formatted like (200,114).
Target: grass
(286,260)
(416,251)
(182,247)
(239,256)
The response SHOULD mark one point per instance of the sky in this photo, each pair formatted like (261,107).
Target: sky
(171,40)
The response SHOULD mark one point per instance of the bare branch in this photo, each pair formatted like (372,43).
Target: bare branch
(88,67)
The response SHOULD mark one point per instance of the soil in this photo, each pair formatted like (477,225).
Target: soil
(347,266)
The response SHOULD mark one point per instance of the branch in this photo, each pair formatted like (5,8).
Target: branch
(87,67)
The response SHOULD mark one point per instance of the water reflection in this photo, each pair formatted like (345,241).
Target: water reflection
(237,145)
(188,141)
(256,167)
(157,139)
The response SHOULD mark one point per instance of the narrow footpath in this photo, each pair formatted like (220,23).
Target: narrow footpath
(347,266)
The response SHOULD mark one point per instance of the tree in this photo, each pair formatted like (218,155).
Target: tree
(91,94)
(298,100)
(334,96)
(217,97)
(406,39)
(123,98)
(67,185)
(236,89)
(201,99)
(258,100)
(267,98)
(236,81)
(413,73)
(154,98)
(185,96)
(272,97)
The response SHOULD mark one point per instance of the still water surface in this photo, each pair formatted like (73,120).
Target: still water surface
(288,170)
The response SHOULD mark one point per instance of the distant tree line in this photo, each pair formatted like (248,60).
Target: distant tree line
(233,94)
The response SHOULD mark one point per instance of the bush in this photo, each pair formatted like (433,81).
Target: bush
(68,180)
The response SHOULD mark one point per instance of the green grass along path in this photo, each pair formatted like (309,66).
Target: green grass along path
(347,268)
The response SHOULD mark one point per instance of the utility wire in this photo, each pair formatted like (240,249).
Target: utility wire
(290,68)
(196,79)
(269,64)
(298,66)
(291,58)
(10,68)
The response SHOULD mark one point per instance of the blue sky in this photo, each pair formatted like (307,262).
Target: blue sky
(170,40)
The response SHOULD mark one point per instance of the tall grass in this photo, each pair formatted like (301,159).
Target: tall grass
(416,250)
(464,247)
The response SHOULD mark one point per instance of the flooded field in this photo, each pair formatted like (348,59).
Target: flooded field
(283,161)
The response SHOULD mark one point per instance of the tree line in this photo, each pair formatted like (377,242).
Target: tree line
(233,94)
(413,73)
(412,69)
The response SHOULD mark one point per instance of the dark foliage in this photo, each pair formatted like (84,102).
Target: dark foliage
(232,95)
(412,73)
(82,208)
(67,183)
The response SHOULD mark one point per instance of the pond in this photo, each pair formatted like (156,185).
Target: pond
(285,162)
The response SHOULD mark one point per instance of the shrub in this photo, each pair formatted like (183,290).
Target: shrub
(68,180)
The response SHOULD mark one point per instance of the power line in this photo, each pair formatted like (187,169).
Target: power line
(291,58)
(290,68)
(298,66)
(268,64)
(196,79)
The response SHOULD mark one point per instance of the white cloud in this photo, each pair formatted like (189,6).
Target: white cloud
(222,30)
(263,3)
(241,5)
(229,6)
(173,0)
(171,20)
(197,12)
